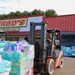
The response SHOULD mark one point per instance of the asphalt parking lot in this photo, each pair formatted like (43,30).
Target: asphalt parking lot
(68,68)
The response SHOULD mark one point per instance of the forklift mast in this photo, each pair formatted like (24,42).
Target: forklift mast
(43,34)
(42,53)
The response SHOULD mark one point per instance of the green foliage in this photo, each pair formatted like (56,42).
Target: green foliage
(18,13)
(3,16)
(49,12)
(36,12)
(11,15)
(25,13)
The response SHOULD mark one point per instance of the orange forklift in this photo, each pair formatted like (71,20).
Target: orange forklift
(48,54)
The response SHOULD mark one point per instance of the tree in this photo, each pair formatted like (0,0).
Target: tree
(18,13)
(50,12)
(41,12)
(25,13)
(3,16)
(11,15)
(29,13)
(36,12)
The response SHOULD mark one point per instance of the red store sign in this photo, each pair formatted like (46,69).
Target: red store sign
(13,22)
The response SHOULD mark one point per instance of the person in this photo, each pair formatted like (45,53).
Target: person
(49,39)
(26,38)
(49,44)
(0,38)
(37,46)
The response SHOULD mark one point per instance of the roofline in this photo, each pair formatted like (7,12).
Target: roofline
(61,15)
(23,17)
(37,16)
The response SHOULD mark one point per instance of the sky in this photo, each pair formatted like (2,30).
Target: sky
(62,7)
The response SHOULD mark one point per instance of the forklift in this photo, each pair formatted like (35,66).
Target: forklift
(48,54)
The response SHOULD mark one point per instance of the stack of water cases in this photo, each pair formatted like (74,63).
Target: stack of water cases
(21,56)
(5,65)
(72,51)
(66,50)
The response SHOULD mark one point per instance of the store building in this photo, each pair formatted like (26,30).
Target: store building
(66,23)
(18,28)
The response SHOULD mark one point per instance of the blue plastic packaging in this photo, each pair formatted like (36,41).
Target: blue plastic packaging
(2,66)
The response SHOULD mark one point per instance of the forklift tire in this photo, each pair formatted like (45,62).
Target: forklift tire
(50,66)
(61,63)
